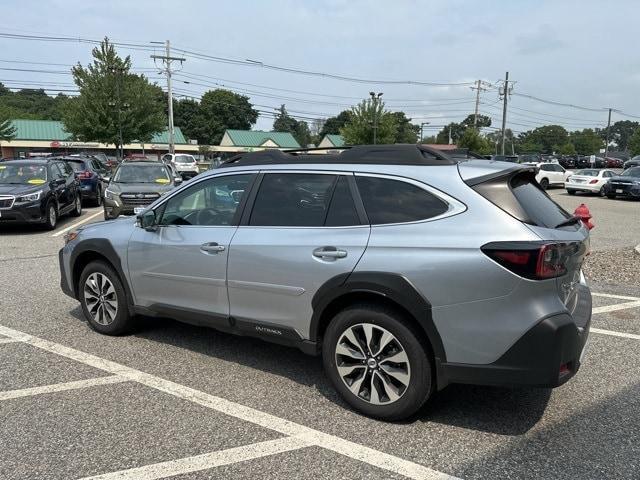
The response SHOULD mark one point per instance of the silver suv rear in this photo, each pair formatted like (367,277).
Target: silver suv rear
(404,269)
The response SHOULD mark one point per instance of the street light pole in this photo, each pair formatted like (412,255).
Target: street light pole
(375,99)
(422,130)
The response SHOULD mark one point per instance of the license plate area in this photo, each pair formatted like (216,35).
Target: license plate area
(619,190)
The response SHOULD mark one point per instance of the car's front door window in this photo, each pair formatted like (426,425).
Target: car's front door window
(211,202)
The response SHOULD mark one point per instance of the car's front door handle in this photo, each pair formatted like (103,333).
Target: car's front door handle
(329,252)
(211,247)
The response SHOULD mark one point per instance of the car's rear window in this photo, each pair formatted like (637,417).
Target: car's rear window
(588,173)
(77,166)
(521,197)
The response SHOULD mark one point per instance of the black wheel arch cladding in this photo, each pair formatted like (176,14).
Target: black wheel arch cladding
(98,249)
(390,286)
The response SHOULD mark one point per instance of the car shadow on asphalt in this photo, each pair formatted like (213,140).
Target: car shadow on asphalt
(465,406)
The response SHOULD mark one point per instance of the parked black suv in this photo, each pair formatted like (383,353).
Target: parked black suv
(93,177)
(38,191)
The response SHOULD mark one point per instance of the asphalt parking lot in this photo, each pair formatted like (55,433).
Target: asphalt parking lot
(191,403)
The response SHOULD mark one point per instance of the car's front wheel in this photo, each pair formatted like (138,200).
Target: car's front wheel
(103,299)
(377,361)
(51,218)
(571,192)
(544,183)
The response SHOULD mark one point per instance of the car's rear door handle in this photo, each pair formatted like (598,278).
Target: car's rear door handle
(211,247)
(329,252)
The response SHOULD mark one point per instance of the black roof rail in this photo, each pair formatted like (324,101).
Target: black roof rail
(397,154)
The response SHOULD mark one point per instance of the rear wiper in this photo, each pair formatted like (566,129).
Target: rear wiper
(572,219)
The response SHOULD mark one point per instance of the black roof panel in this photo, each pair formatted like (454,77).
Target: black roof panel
(400,154)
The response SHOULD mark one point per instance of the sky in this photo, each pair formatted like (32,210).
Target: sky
(582,53)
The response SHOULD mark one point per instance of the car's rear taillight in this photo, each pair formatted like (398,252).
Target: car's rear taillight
(533,261)
(595,180)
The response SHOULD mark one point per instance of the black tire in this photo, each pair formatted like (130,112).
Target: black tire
(122,321)
(544,183)
(611,196)
(77,209)
(412,341)
(571,192)
(601,192)
(51,216)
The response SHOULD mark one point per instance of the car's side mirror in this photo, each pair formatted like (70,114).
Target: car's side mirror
(106,178)
(177,180)
(147,220)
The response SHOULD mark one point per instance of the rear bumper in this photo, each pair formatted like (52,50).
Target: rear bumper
(582,187)
(537,357)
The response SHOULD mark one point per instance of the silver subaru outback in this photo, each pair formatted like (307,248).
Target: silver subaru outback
(404,269)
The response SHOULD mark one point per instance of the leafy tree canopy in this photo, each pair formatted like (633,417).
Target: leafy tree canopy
(298,128)
(620,133)
(543,138)
(586,142)
(32,104)
(332,125)
(406,131)
(113,99)
(483,121)
(634,142)
(359,129)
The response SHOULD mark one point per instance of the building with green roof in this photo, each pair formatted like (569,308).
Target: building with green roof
(49,136)
(258,139)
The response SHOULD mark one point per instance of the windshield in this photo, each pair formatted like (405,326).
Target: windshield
(23,174)
(142,174)
(184,159)
(588,173)
(631,172)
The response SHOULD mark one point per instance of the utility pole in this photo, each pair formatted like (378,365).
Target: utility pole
(422,130)
(606,145)
(167,59)
(375,99)
(478,88)
(505,93)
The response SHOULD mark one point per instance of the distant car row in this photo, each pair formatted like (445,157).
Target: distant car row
(605,182)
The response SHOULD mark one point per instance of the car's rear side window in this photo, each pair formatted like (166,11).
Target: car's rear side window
(521,197)
(394,201)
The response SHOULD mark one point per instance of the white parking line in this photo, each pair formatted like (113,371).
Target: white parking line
(77,224)
(616,307)
(8,340)
(347,448)
(206,461)
(61,387)
(610,295)
(615,334)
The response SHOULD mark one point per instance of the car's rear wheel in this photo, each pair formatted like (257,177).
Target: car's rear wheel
(544,183)
(377,362)
(103,299)
(571,192)
(51,219)
(77,207)
(601,192)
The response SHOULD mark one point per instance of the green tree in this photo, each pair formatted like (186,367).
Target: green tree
(7,130)
(472,140)
(364,116)
(455,130)
(567,149)
(431,139)
(332,125)
(286,123)
(222,109)
(483,121)
(634,142)
(406,131)
(543,139)
(586,142)
(33,104)
(113,102)
(302,133)
(620,133)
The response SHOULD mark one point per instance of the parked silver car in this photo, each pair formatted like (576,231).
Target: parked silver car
(405,269)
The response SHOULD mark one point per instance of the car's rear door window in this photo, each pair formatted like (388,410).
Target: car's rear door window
(394,201)
(342,210)
(293,200)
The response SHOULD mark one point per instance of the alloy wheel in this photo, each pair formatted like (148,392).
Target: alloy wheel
(52,216)
(373,364)
(100,298)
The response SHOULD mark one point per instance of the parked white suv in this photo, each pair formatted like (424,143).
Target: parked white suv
(551,174)
(184,164)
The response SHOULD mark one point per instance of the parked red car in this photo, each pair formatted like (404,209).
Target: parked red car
(613,162)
